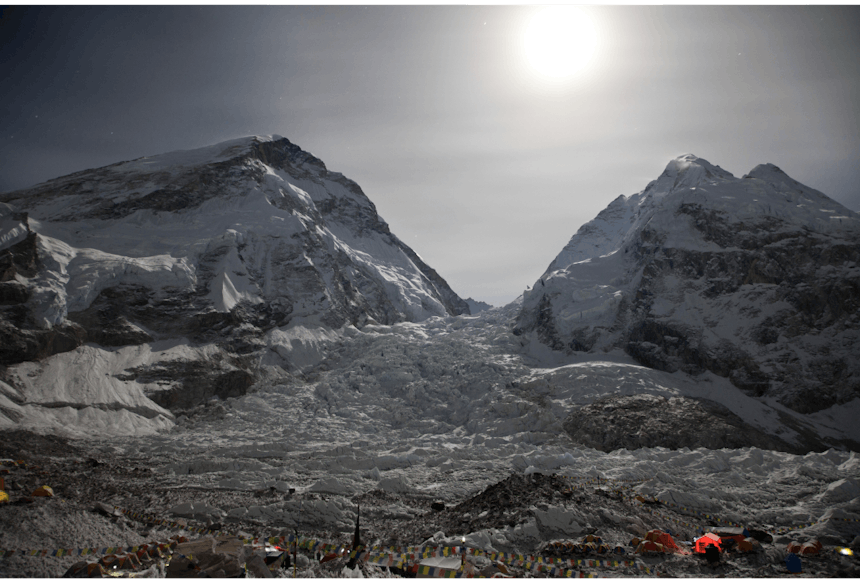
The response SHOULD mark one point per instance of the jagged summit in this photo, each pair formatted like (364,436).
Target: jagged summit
(684,162)
(220,152)
(685,171)
(689,181)
(194,157)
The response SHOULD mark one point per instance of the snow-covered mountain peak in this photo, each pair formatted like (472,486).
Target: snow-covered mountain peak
(774,179)
(755,278)
(225,200)
(769,172)
(223,246)
(684,162)
(212,154)
(686,171)
(690,184)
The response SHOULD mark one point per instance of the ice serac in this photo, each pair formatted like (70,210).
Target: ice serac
(756,279)
(211,247)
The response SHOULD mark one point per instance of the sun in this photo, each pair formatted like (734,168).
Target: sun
(560,42)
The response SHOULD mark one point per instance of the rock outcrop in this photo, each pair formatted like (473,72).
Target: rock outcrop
(635,421)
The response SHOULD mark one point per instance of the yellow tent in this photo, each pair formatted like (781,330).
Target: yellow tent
(43,491)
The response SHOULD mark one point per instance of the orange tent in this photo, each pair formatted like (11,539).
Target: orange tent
(588,548)
(664,538)
(793,547)
(811,548)
(649,546)
(709,539)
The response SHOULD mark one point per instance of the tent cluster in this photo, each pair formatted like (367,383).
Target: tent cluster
(655,542)
(115,563)
(6,466)
(205,557)
(727,539)
(807,548)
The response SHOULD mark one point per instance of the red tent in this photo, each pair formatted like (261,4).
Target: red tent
(709,539)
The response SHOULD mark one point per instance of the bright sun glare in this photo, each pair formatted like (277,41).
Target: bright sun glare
(560,42)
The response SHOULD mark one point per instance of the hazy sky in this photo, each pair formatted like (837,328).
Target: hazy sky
(480,164)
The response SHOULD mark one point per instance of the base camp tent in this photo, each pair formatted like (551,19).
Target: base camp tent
(737,541)
(657,541)
(43,491)
(664,538)
(704,542)
(452,563)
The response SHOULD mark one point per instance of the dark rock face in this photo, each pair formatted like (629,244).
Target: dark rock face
(131,315)
(19,345)
(20,257)
(20,339)
(13,293)
(545,326)
(105,321)
(189,384)
(636,421)
(809,275)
